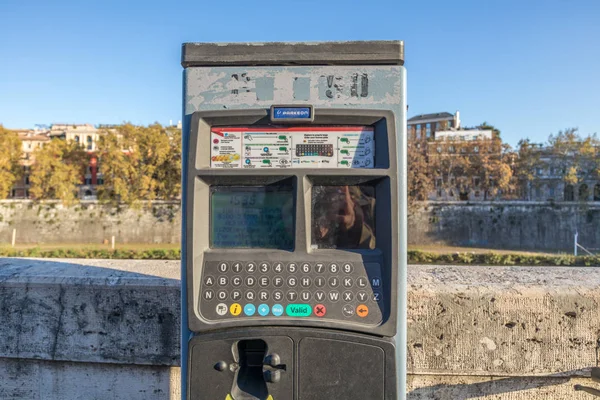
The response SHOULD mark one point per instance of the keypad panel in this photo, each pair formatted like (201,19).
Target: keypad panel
(344,291)
(320,150)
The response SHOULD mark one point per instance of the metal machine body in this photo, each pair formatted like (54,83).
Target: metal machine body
(294,222)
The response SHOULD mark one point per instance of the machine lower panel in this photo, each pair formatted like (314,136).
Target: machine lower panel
(279,363)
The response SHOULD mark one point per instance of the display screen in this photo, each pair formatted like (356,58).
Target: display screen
(343,217)
(252,217)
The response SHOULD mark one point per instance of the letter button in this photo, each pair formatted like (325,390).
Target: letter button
(209,294)
(278,281)
(236,295)
(263,281)
(362,282)
(223,281)
(292,295)
(209,280)
(376,282)
(236,281)
(305,281)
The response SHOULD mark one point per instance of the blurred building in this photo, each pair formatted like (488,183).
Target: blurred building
(31,139)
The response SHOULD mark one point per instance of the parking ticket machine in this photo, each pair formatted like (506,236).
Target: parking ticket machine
(294,223)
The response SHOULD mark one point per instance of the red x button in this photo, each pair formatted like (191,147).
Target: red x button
(320,310)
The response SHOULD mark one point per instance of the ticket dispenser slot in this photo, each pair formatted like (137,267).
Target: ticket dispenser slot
(294,224)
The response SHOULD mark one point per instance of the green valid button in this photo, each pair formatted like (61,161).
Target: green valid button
(298,310)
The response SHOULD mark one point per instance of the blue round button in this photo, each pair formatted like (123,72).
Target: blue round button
(266,149)
(277,310)
(248,161)
(263,310)
(249,309)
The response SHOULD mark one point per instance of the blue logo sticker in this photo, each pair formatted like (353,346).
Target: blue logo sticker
(292,113)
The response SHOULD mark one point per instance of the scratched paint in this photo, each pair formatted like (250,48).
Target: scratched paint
(375,87)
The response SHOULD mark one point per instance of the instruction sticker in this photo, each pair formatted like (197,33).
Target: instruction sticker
(294,147)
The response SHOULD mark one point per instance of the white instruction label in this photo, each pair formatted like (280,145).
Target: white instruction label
(294,147)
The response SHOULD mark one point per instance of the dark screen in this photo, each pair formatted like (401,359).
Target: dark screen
(343,217)
(252,217)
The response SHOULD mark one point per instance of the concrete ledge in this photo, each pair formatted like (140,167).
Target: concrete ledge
(503,321)
(99,311)
(474,332)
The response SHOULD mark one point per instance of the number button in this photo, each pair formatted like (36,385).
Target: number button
(333,268)
(320,268)
(278,295)
(347,267)
(278,281)
(236,267)
(278,268)
(209,280)
(319,281)
(223,267)
(362,282)
(236,281)
(223,281)
(334,282)
(292,268)
(251,268)
(264,267)
(305,268)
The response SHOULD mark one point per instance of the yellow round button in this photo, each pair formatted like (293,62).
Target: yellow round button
(235,309)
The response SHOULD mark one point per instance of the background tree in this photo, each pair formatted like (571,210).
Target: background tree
(10,154)
(140,163)
(530,159)
(58,169)
(574,158)
(420,183)
(465,166)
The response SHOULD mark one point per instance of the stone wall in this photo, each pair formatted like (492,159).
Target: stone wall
(109,329)
(506,225)
(89,222)
(501,225)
